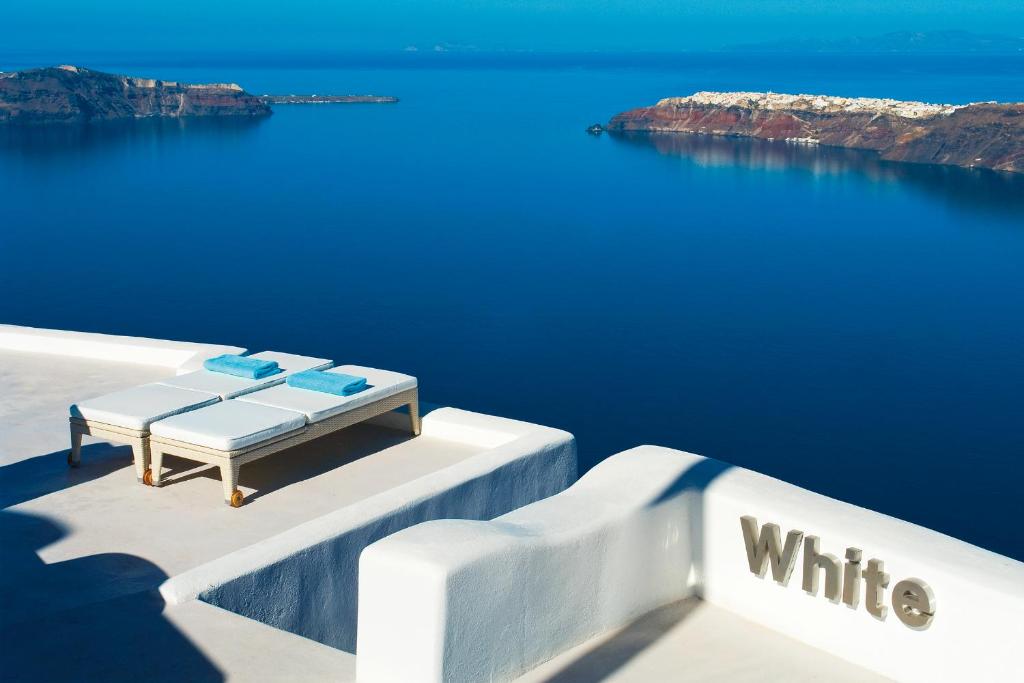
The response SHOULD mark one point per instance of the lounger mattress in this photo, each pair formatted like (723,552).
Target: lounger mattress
(317,406)
(139,407)
(229,425)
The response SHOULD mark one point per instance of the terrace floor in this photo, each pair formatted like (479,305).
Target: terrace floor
(99,507)
(85,549)
(695,641)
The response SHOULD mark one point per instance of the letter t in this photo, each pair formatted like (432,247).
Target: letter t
(876,581)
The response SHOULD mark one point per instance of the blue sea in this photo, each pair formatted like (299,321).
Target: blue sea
(852,326)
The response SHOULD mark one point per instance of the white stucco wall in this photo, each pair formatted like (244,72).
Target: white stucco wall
(179,356)
(482,601)
(467,601)
(978,626)
(305,580)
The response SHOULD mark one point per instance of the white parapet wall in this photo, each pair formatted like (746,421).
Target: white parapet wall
(977,597)
(178,356)
(458,601)
(484,601)
(305,579)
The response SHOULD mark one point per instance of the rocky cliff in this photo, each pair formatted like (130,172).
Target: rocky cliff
(74,94)
(985,135)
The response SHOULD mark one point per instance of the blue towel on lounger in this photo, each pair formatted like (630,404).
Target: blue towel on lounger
(335,383)
(242,366)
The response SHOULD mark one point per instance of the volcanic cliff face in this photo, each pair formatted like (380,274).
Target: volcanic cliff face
(74,94)
(981,135)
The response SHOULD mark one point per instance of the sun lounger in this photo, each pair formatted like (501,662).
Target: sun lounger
(235,432)
(126,416)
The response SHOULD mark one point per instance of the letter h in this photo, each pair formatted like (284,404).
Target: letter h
(813,560)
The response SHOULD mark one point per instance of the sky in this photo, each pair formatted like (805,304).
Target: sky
(186,26)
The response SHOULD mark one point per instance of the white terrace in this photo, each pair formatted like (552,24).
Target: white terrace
(105,579)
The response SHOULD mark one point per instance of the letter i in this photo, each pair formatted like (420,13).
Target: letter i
(851,578)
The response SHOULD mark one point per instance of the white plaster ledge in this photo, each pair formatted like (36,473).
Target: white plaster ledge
(175,355)
(287,579)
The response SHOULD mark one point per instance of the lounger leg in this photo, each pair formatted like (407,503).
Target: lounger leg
(75,456)
(156,459)
(414,417)
(140,453)
(229,478)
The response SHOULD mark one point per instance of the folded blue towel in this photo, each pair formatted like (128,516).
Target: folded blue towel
(242,366)
(327,382)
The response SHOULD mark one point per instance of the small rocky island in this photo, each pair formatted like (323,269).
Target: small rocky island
(328,99)
(73,94)
(983,135)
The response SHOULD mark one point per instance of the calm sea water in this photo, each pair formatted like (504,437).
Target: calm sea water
(851,326)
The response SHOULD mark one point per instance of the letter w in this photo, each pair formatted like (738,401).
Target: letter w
(767,547)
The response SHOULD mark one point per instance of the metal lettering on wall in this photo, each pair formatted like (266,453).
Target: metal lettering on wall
(912,599)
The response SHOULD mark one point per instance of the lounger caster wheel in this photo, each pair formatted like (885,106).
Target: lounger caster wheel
(237,499)
(71,460)
(147,477)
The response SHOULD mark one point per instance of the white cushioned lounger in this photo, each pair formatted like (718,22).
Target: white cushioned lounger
(126,416)
(257,424)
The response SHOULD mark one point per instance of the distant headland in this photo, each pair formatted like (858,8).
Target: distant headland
(984,135)
(73,94)
(76,94)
